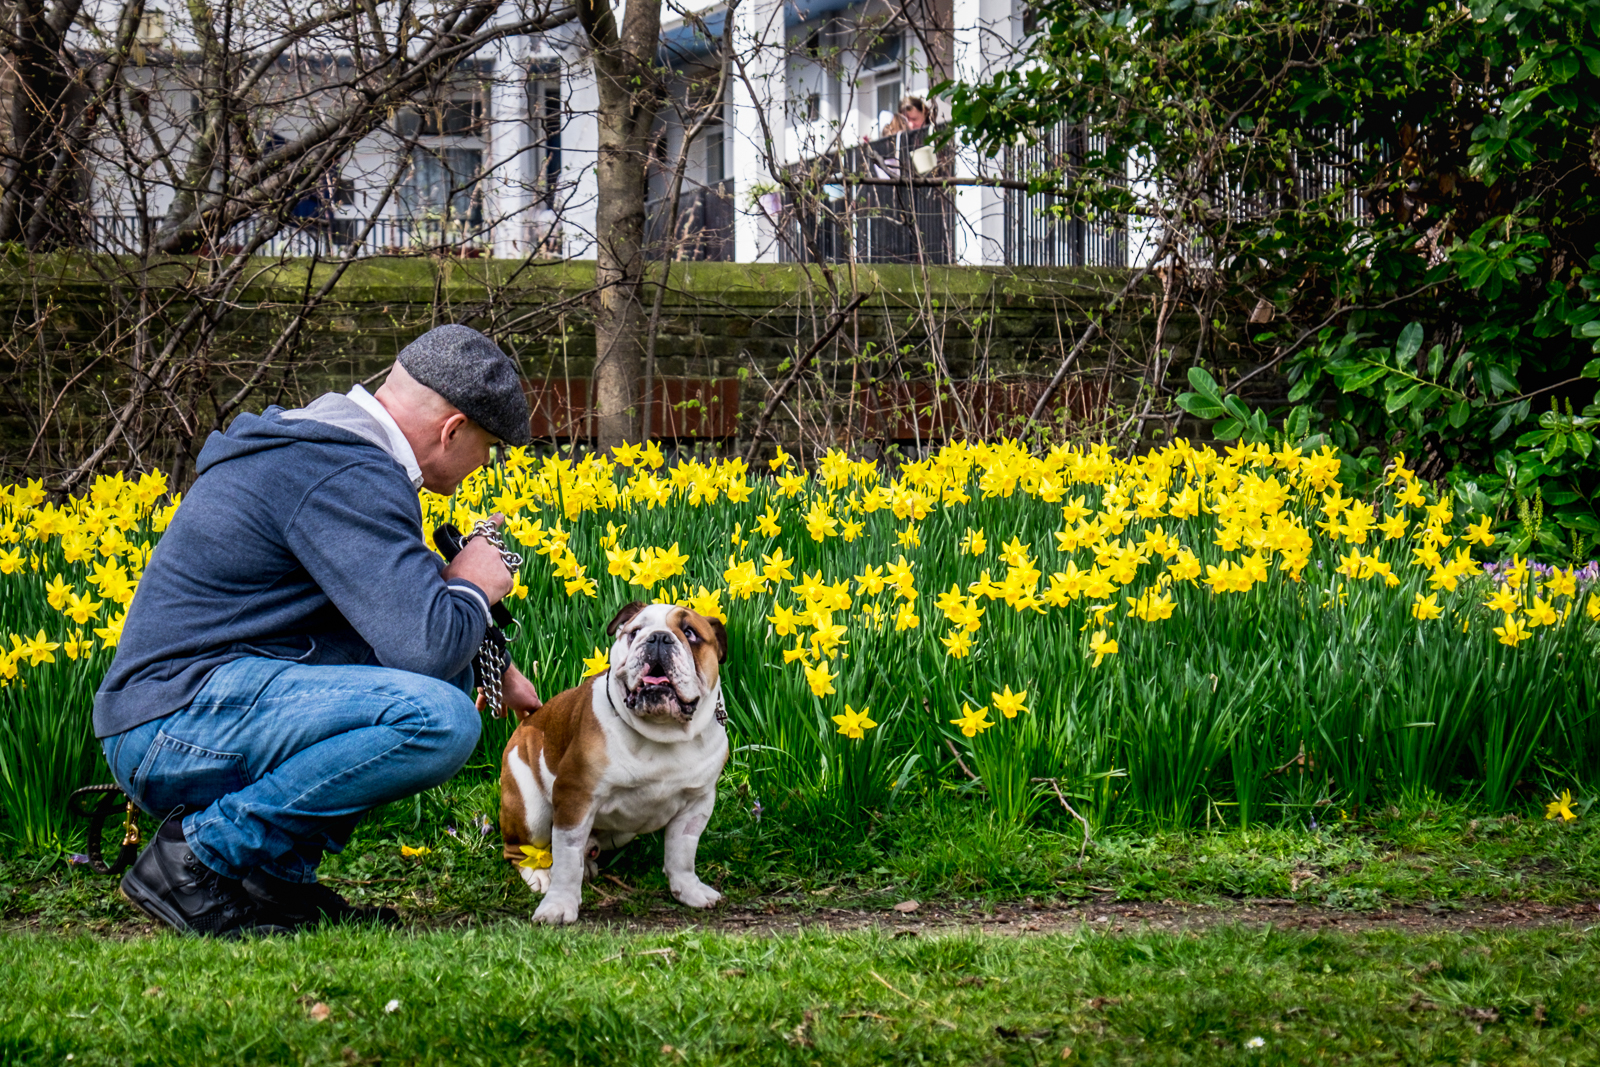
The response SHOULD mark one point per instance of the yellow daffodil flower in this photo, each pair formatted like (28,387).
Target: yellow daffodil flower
(854,724)
(598,663)
(1426,607)
(973,721)
(534,858)
(1009,703)
(820,679)
(1101,647)
(1561,807)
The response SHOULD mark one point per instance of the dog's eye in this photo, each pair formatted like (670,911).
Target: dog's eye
(694,638)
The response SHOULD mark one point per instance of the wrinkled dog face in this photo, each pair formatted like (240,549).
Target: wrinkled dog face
(665,660)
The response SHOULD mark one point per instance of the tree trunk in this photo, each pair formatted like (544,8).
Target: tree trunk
(629,88)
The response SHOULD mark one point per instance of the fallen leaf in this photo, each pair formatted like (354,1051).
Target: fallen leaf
(320,1012)
(153,991)
(391,1007)
(906,907)
(1066,1051)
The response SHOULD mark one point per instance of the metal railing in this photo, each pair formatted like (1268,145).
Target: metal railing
(322,237)
(838,219)
(1037,232)
(704,226)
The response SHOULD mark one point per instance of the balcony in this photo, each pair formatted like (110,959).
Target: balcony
(328,237)
(838,220)
(703,231)
(838,217)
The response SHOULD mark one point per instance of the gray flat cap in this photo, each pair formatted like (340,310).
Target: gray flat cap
(470,371)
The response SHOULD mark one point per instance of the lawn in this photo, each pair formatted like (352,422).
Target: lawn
(986,682)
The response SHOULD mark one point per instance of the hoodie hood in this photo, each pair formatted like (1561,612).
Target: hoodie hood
(332,417)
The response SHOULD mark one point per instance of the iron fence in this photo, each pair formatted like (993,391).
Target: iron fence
(1039,230)
(704,228)
(321,237)
(843,218)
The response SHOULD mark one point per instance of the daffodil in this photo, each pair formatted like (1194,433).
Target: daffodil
(1561,807)
(1426,607)
(1513,633)
(598,663)
(1009,703)
(854,724)
(973,721)
(417,850)
(1101,647)
(533,858)
(820,679)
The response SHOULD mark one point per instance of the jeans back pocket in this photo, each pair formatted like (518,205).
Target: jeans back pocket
(174,772)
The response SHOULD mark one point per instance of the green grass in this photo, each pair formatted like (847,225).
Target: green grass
(951,850)
(516,994)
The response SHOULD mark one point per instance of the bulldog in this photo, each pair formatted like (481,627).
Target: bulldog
(627,752)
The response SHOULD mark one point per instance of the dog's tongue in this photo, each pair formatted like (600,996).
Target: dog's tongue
(657,679)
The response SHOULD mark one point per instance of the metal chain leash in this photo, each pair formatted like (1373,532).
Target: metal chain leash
(493,659)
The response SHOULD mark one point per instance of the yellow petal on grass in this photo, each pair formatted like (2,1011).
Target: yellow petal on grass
(419,850)
(1561,806)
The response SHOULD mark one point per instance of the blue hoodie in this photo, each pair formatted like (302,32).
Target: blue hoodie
(301,540)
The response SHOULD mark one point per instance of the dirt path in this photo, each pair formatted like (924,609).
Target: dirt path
(1108,915)
(1016,918)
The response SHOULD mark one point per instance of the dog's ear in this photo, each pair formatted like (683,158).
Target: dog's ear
(622,617)
(721,634)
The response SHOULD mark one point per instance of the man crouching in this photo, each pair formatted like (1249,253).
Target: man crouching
(295,654)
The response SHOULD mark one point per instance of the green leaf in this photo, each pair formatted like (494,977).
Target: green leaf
(1435,361)
(1395,401)
(1227,429)
(1200,407)
(1459,413)
(1203,383)
(1501,381)
(1591,369)
(1236,407)
(1582,443)
(1409,344)
(1360,379)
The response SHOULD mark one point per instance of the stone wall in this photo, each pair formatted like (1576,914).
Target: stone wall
(924,353)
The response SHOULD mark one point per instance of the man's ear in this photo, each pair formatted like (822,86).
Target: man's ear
(622,617)
(721,633)
(452,426)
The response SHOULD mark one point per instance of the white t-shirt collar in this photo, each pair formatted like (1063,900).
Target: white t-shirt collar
(399,447)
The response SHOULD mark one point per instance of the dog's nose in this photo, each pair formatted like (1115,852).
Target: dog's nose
(660,640)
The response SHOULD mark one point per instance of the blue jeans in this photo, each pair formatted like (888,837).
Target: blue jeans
(275,762)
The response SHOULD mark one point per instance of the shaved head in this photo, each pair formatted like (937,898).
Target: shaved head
(448,445)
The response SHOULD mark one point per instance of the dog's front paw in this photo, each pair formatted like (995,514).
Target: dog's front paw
(695,893)
(556,910)
(538,880)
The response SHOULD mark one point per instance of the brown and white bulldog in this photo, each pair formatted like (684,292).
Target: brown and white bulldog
(626,752)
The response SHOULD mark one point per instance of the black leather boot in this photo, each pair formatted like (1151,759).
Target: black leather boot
(298,904)
(175,889)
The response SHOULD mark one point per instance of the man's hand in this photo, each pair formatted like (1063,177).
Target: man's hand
(480,564)
(517,694)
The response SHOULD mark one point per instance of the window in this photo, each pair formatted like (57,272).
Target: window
(459,116)
(883,55)
(814,107)
(544,121)
(715,167)
(443,183)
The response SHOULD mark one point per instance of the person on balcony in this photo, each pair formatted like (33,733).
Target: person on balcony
(914,114)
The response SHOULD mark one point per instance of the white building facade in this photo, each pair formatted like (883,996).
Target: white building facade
(797,159)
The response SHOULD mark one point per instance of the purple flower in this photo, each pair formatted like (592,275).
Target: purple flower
(78,859)
(755,811)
